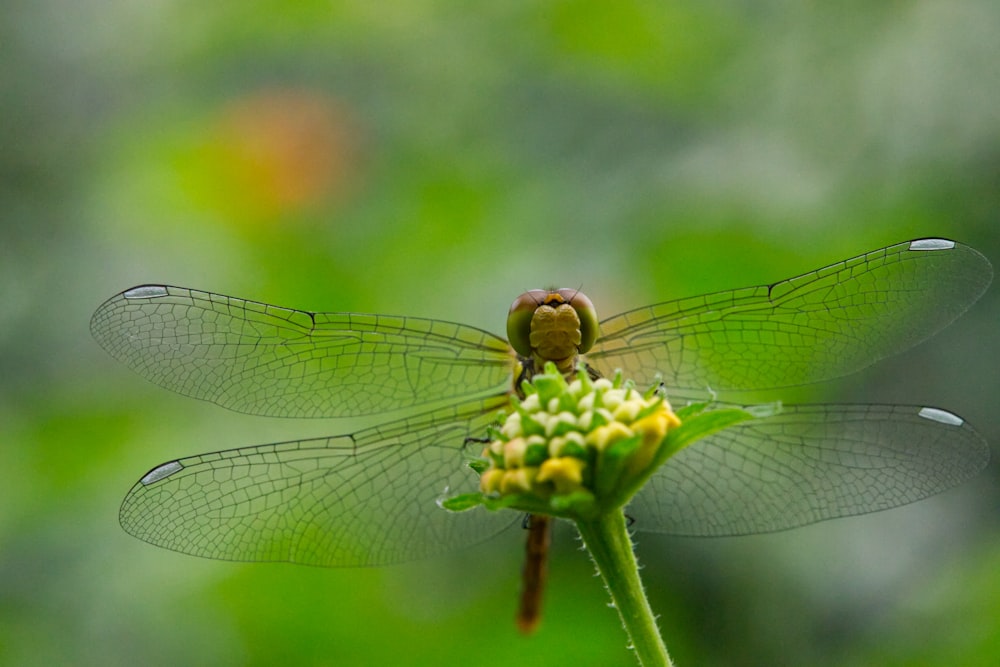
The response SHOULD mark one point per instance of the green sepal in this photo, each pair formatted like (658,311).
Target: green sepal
(598,419)
(566,402)
(692,409)
(586,384)
(598,400)
(575,450)
(656,389)
(536,454)
(580,503)
(529,425)
(496,458)
(495,503)
(618,380)
(548,388)
(549,384)
(649,409)
(521,502)
(612,462)
(479,465)
(493,429)
(563,427)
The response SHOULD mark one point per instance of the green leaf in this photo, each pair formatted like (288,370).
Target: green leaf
(704,423)
(697,421)
(462,502)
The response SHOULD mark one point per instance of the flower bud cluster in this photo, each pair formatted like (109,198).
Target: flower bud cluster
(581,437)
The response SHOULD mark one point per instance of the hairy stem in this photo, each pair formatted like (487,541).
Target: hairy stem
(608,542)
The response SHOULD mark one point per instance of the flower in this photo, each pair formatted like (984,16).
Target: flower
(572,448)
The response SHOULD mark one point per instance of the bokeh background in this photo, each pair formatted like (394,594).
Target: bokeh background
(424,157)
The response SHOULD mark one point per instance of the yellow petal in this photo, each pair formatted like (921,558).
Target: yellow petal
(490,480)
(604,436)
(518,481)
(513,452)
(565,473)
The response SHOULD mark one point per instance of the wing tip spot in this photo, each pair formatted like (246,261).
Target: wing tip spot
(941,416)
(145,292)
(932,244)
(161,472)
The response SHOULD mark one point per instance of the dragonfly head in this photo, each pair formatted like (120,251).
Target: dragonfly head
(552,325)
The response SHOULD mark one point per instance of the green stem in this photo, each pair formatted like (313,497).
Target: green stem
(608,542)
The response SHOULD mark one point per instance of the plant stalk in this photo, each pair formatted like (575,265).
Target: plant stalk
(609,544)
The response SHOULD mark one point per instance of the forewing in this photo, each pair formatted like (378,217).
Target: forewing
(369,498)
(806,464)
(817,326)
(260,359)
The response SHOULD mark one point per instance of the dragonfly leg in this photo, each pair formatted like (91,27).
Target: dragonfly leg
(469,440)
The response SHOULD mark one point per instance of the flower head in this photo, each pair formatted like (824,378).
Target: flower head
(573,448)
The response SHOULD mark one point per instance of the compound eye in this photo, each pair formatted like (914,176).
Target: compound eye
(585,310)
(519,320)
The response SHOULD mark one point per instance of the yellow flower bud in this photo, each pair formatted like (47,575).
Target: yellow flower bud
(565,473)
(602,385)
(490,480)
(614,398)
(653,429)
(518,480)
(512,426)
(513,452)
(572,430)
(531,403)
(558,444)
(604,436)
(495,448)
(587,402)
(535,440)
(562,422)
(627,411)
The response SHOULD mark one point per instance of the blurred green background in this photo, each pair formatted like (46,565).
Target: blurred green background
(423,158)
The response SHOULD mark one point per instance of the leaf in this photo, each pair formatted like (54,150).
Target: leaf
(462,502)
(705,423)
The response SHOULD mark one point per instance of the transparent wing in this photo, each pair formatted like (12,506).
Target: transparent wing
(265,360)
(369,498)
(817,326)
(806,464)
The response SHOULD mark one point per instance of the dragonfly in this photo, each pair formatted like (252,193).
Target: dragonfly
(423,388)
